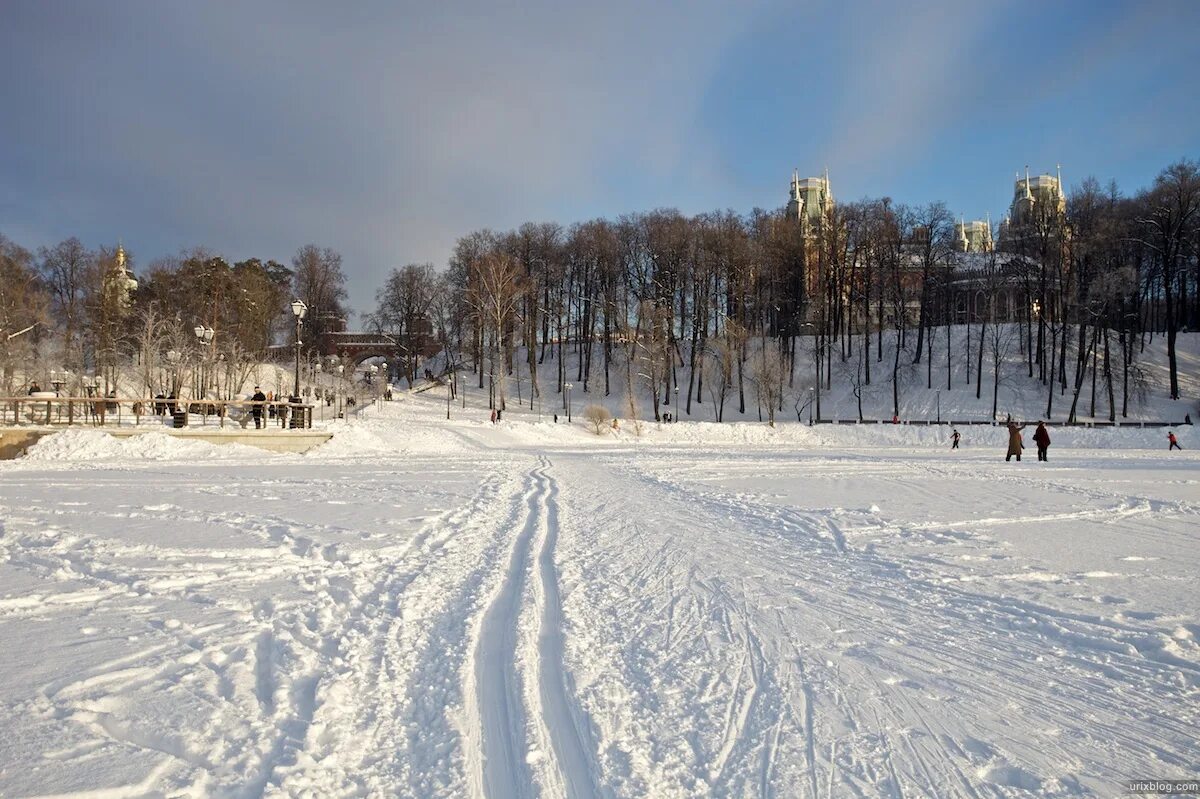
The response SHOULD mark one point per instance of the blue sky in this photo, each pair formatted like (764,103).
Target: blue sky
(386,130)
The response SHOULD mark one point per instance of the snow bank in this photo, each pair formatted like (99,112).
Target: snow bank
(88,445)
(351,440)
(866,436)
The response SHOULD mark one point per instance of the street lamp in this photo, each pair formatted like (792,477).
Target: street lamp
(299,309)
(939,406)
(341,368)
(91,388)
(57,379)
(568,387)
(810,405)
(204,335)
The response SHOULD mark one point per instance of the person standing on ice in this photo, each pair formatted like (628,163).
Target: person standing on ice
(1015,444)
(1174,442)
(256,410)
(1041,437)
(954,437)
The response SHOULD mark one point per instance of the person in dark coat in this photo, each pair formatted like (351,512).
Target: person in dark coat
(1015,444)
(257,410)
(954,437)
(34,388)
(1041,437)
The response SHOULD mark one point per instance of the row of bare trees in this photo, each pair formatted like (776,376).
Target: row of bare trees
(723,308)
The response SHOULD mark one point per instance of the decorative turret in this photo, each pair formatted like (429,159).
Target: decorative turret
(795,206)
(121,278)
(1034,197)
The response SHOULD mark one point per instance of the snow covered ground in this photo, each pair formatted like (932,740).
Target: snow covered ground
(439,609)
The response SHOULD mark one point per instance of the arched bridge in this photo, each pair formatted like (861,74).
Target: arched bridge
(357,347)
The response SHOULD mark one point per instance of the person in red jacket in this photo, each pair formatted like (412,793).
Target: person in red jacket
(1041,437)
(1174,442)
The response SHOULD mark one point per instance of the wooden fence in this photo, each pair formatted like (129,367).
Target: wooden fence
(101,411)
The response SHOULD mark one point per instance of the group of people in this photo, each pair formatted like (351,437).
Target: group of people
(1016,443)
(1041,437)
(165,403)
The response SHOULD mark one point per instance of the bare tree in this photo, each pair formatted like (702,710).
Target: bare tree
(66,271)
(722,356)
(499,288)
(23,308)
(1000,339)
(598,417)
(403,310)
(319,282)
(1170,214)
(767,375)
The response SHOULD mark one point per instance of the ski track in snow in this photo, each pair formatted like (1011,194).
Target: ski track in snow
(507,763)
(489,618)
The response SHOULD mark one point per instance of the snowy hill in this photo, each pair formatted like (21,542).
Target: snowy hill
(1017,394)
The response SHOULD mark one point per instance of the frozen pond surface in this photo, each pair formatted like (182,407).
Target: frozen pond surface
(522,610)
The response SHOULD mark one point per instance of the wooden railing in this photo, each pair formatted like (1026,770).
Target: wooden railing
(100,411)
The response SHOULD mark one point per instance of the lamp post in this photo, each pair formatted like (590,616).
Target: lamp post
(939,406)
(810,405)
(173,356)
(204,335)
(299,309)
(341,369)
(568,387)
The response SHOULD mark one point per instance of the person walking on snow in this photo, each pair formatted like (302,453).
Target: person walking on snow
(493,415)
(1015,444)
(1041,437)
(954,437)
(1174,442)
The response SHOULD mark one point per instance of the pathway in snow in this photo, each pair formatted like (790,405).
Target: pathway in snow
(498,705)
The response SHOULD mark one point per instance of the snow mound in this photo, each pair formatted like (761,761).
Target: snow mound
(88,445)
(352,440)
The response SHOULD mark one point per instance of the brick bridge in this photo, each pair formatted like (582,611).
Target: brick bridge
(356,347)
